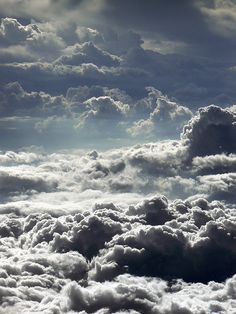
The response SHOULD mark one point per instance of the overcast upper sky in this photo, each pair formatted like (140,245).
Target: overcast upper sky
(84,73)
(206,27)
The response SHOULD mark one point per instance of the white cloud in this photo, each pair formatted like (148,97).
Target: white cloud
(135,229)
(164,114)
(88,53)
(93,226)
(12,32)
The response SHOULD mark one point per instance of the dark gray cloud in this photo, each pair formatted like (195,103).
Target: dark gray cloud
(91,111)
(202,27)
(58,92)
(28,41)
(157,16)
(212,132)
(15,101)
(88,53)
(13,32)
(108,58)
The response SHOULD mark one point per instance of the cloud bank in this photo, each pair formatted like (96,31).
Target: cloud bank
(128,230)
(117,157)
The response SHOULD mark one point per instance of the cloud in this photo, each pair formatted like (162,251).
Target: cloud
(178,168)
(45,44)
(14,100)
(113,297)
(38,9)
(87,34)
(104,112)
(141,228)
(12,32)
(214,164)
(41,44)
(175,253)
(221,185)
(210,18)
(165,112)
(13,180)
(83,226)
(154,211)
(211,132)
(201,28)
(43,113)
(81,238)
(102,109)
(40,278)
(78,95)
(105,57)
(168,167)
(17,53)
(88,53)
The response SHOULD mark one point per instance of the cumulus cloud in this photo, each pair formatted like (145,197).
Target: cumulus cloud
(55,261)
(115,59)
(88,53)
(135,229)
(95,226)
(94,109)
(214,29)
(103,112)
(45,45)
(212,131)
(42,44)
(169,166)
(174,247)
(214,164)
(14,100)
(165,113)
(177,168)
(12,32)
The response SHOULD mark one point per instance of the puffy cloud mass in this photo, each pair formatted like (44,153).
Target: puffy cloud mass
(136,253)
(12,32)
(88,53)
(212,132)
(53,56)
(117,157)
(135,230)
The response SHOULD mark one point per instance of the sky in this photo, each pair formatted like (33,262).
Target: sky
(117,156)
(85,74)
